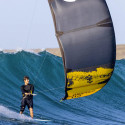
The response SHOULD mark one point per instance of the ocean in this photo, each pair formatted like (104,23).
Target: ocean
(46,73)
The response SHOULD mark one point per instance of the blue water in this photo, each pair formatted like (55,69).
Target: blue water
(106,107)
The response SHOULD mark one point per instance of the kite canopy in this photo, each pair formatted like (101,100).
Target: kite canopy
(87,42)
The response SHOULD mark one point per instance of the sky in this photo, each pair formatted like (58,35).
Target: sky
(28,24)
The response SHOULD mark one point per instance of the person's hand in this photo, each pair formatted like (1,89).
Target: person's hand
(27,93)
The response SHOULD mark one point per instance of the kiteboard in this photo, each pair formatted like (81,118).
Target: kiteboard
(41,120)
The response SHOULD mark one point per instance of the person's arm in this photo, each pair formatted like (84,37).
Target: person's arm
(32,89)
(22,90)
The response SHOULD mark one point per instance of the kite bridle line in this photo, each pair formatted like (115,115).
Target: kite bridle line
(30,27)
(27,42)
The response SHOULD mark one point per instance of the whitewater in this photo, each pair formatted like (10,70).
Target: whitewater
(46,73)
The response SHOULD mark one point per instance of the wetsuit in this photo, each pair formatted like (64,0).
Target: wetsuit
(27,99)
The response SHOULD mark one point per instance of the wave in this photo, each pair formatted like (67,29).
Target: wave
(5,112)
(47,74)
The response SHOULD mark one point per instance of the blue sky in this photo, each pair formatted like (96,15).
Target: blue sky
(28,23)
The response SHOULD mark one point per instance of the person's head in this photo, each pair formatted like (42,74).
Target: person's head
(26,80)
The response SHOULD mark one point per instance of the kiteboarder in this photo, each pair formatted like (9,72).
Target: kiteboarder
(27,99)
